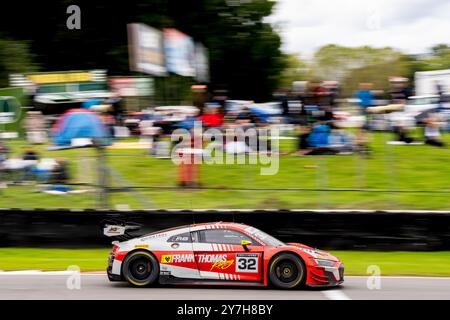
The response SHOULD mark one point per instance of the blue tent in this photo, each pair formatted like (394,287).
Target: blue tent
(78,123)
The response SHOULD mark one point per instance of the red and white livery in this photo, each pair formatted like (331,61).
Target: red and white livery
(220,253)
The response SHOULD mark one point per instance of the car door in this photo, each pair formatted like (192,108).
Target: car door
(220,255)
(178,260)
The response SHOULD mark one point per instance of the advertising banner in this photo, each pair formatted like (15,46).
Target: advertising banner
(146,50)
(56,77)
(133,86)
(180,53)
(201,63)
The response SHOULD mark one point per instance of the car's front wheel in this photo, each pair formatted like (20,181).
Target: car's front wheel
(140,268)
(287,271)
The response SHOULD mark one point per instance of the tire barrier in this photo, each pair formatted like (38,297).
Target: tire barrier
(361,230)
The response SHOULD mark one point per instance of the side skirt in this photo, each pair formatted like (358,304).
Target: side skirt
(165,279)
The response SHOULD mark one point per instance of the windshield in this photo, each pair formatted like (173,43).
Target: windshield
(267,239)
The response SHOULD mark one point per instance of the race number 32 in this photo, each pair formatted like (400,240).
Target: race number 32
(247,263)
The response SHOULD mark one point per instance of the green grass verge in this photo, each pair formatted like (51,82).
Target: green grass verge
(400,263)
(389,167)
(356,262)
(52,259)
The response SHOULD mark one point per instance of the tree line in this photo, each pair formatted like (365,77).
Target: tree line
(245,54)
(244,51)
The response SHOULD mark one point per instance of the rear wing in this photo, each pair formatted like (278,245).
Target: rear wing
(119,230)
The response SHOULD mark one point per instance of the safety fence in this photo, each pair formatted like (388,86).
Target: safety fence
(391,177)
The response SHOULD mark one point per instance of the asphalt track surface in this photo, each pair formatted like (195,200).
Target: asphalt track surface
(63,285)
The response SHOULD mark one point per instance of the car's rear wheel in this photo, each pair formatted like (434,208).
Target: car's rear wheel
(287,271)
(140,268)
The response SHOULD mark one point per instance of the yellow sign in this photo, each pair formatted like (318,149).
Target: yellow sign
(43,78)
(166,258)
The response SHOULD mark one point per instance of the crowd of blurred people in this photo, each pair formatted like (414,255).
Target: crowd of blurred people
(312,111)
(406,114)
(30,167)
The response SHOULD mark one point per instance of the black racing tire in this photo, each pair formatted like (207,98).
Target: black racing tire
(287,271)
(140,269)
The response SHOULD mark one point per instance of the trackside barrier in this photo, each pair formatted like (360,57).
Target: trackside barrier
(362,230)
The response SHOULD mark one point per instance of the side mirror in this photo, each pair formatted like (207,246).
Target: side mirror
(245,243)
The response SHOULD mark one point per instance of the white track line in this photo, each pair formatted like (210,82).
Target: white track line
(404,277)
(335,294)
(47,273)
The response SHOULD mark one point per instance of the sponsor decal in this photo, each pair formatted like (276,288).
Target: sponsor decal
(218,261)
(158,235)
(211,258)
(166,258)
(177,258)
(181,238)
(222,265)
(113,230)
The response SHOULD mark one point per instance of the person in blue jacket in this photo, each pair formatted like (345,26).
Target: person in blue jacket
(365,96)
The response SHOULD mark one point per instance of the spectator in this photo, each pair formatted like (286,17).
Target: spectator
(109,122)
(31,158)
(400,91)
(403,134)
(212,117)
(60,174)
(36,127)
(315,141)
(319,136)
(432,132)
(4,152)
(365,97)
(117,109)
(303,146)
(30,154)
(318,94)
(362,142)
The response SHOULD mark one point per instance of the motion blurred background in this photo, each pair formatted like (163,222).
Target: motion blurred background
(359,94)
(148,67)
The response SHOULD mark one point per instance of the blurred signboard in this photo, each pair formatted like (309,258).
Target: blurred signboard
(201,63)
(9,109)
(146,51)
(56,92)
(133,86)
(180,53)
(44,78)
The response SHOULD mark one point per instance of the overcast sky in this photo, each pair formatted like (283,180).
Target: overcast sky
(409,25)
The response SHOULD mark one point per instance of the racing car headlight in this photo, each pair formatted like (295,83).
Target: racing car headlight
(324,263)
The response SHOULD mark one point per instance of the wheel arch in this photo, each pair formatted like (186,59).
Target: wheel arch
(286,251)
(133,251)
(275,255)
